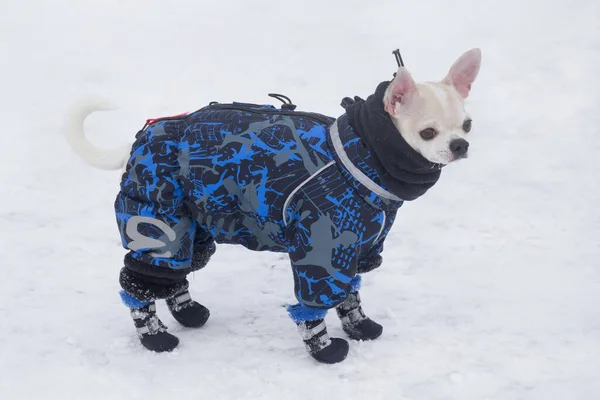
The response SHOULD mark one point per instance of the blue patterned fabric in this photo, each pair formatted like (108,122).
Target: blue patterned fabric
(260,177)
(355,284)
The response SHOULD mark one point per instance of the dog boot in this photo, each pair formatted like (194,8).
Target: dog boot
(319,345)
(186,311)
(354,321)
(151,331)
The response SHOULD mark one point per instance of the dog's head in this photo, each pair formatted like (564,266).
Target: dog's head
(431,116)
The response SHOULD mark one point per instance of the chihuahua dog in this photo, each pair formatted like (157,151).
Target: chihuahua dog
(323,190)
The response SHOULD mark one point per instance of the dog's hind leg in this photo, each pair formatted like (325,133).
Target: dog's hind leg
(186,311)
(145,282)
(151,331)
(164,241)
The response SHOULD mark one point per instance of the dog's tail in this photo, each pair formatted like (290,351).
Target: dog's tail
(107,159)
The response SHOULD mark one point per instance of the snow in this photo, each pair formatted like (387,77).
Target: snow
(490,286)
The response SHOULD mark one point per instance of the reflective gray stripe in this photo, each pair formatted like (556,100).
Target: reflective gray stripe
(183,298)
(289,198)
(152,326)
(382,226)
(308,334)
(139,313)
(353,316)
(357,173)
(143,330)
(324,341)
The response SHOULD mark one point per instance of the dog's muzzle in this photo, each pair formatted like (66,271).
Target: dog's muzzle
(459,148)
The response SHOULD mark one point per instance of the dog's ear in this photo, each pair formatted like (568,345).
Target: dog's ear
(463,72)
(400,90)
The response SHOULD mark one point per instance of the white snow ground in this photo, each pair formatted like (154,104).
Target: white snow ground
(490,287)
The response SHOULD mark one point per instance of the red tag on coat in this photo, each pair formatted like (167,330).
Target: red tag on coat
(153,120)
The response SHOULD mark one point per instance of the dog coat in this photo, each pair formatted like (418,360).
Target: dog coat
(265,178)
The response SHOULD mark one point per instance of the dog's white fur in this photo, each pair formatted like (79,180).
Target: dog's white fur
(106,159)
(414,107)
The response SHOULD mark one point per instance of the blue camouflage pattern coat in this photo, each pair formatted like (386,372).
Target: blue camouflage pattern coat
(265,178)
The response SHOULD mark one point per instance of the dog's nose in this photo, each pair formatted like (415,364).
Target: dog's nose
(459,147)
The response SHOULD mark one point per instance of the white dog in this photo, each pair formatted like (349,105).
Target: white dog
(324,190)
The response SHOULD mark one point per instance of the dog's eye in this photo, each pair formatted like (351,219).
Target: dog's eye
(428,134)
(467,125)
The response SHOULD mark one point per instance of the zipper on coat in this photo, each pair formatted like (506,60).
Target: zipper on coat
(247,108)
(274,111)
(381,229)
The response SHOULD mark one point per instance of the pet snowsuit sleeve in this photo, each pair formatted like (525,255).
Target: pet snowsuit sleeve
(324,261)
(332,232)
(150,206)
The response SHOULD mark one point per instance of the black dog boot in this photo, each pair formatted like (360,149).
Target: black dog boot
(319,345)
(186,311)
(354,321)
(151,331)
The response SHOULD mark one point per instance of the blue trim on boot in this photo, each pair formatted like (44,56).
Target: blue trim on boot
(130,301)
(300,313)
(355,284)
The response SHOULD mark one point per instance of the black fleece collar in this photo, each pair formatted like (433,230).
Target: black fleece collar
(402,170)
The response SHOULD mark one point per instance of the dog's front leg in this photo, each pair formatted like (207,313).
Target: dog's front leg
(311,325)
(354,321)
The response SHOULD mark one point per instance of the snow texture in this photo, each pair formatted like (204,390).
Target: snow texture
(490,285)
